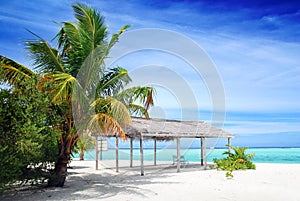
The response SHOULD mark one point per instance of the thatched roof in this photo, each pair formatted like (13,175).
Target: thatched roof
(169,129)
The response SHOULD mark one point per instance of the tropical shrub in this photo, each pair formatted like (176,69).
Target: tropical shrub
(28,144)
(236,160)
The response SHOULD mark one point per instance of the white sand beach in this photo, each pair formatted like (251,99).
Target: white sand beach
(269,182)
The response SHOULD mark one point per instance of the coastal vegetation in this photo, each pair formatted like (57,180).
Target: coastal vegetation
(28,147)
(45,110)
(236,160)
(85,143)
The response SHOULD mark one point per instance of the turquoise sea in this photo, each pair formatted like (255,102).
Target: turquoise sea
(252,129)
(262,155)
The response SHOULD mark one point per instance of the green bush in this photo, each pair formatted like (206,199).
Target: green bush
(236,160)
(28,142)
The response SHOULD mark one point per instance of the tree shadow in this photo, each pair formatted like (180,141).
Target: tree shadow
(101,184)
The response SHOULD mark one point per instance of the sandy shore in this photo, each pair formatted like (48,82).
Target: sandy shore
(270,182)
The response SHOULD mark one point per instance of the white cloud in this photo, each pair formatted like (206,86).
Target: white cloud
(258,68)
(254,127)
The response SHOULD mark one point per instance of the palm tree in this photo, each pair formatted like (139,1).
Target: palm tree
(85,142)
(83,43)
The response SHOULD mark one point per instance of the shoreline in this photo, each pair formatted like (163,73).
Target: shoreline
(262,155)
(269,182)
(150,162)
(158,148)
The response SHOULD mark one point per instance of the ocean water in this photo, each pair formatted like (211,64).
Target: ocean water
(262,155)
(252,129)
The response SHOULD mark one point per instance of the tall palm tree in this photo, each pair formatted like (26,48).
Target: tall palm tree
(83,43)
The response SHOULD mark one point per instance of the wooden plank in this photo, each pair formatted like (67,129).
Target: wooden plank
(131,151)
(103,146)
(142,156)
(178,154)
(117,154)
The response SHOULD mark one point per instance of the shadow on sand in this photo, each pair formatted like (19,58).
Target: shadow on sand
(84,183)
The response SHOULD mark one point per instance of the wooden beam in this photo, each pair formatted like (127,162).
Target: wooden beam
(201,152)
(178,154)
(228,144)
(155,151)
(117,154)
(204,153)
(101,147)
(97,152)
(131,151)
(142,155)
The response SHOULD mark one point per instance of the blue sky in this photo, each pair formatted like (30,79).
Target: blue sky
(255,46)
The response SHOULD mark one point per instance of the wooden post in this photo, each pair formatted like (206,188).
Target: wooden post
(204,152)
(97,152)
(155,151)
(131,151)
(228,144)
(101,149)
(142,155)
(117,154)
(178,154)
(201,152)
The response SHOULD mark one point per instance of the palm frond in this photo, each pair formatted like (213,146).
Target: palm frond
(113,80)
(63,87)
(91,27)
(112,107)
(148,98)
(119,111)
(94,64)
(68,38)
(143,95)
(13,72)
(103,123)
(100,105)
(45,58)
(137,110)
(70,47)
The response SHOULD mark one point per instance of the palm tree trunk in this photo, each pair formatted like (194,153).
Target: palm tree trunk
(65,146)
(82,154)
(60,171)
